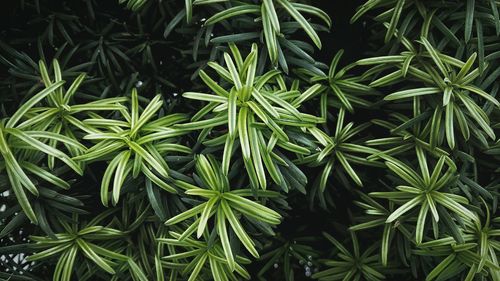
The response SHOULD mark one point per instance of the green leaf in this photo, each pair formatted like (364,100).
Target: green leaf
(189,10)
(412,93)
(466,67)
(481,93)
(283,104)
(16,172)
(265,104)
(232,111)
(221,229)
(450,135)
(251,62)
(271,13)
(315,11)
(186,215)
(243,133)
(108,173)
(452,205)
(197,269)
(381,60)
(136,270)
(256,153)
(206,172)
(440,267)
(120,174)
(469,19)
(94,257)
(386,238)
(404,208)
(396,14)
(45,148)
(348,168)
(226,157)
(475,112)
(73,88)
(213,85)
(154,105)
(204,97)
(269,34)
(301,20)
(45,175)
(197,125)
(149,158)
(253,209)
(238,229)
(49,252)
(21,111)
(435,56)
(205,215)
(150,175)
(70,261)
(422,216)
(404,172)
(432,206)
(233,12)
(325,174)
(233,72)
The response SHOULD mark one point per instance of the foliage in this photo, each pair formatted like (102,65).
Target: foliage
(239,140)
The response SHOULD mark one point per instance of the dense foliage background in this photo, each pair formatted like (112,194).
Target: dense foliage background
(251,139)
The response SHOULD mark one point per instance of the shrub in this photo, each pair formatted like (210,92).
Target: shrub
(237,140)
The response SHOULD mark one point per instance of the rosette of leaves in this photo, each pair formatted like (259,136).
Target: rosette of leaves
(231,10)
(399,9)
(85,250)
(108,56)
(351,265)
(52,201)
(50,121)
(342,89)
(475,255)
(69,245)
(375,216)
(425,192)
(25,77)
(337,151)
(453,19)
(470,26)
(162,41)
(269,11)
(403,136)
(22,149)
(58,26)
(272,22)
(448,92)
(135,217)
(227,207)
(201,259)
(258,112)
(60,115)
(136,144)
(132,55)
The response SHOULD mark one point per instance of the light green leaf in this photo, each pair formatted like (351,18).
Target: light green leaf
(21,111)
(301,20)
(412,93)
(404,208)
